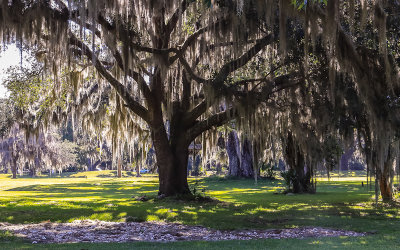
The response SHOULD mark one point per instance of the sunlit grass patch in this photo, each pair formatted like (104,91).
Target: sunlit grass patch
(241,204)
(343,204)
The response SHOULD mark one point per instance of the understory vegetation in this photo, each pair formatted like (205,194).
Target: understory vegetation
(341,203)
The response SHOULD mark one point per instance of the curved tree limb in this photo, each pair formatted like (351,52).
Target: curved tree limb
(122,91)
(171,24)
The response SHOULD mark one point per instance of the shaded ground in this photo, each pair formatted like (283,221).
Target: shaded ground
(343,204)
(101,231)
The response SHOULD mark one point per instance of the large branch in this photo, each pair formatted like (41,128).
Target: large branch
(278,84)
(242,60)
(135,76)
(192,38)
(118,58)
(122,91)
(171,24)
(186,91)
(109,27)
(189,69)
(227,68)
(195,113)
(218,81)
(215,120)
(250,99)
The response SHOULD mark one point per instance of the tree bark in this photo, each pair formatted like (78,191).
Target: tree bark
(385,187)
(240,161)
(119,168)
(137,167)
(295,159)
(33,171)
(345,158)
(14,171)
(233,150)
(385,177)
(172,165)
(219,168)
(247,160)
(172,152)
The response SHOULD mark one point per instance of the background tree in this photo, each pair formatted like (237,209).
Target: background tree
(44,152)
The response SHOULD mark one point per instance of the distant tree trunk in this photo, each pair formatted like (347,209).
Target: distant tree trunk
(295,160)
(93,167)
(191,167)
(240,161)
(221,153)
(247,159)
(119,168)
(137,167)
(385,187)
(383,175)
(14,169)
(196,165)
(90,164)
(219,168)
(233,150)
(346,156)
(33,171)
(256,169)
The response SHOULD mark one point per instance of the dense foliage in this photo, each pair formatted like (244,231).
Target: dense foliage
(298,77)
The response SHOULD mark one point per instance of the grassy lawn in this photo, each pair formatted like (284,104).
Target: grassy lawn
(340,203)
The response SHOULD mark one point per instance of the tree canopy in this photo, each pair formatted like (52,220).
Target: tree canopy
(173,71)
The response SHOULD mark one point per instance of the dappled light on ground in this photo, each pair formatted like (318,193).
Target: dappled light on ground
(238,204)
(241,203)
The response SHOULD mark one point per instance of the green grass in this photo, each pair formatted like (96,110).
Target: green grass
(341,203)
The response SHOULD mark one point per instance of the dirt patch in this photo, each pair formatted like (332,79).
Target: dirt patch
(101,231)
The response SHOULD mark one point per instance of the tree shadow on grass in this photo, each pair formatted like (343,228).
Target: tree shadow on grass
(80,175)
(113,174)
(54,176)
(245,206)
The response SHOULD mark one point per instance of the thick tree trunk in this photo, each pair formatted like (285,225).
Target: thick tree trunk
(385,187)
(172,165)
(385,177)
(233,150)
(247,159)
(240,161)
(295,159)
(302,180)
(172,159)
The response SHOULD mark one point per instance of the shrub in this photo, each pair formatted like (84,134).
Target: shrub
(288,176)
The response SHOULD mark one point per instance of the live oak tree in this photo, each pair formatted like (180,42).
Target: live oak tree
(180,68)
(7,116)
(44,152)
(362,48)
(168,62)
